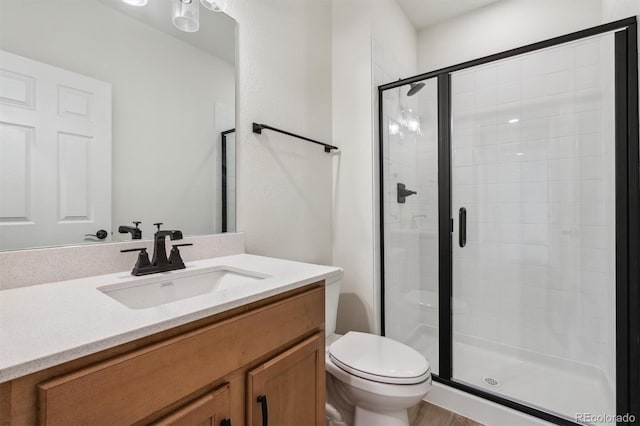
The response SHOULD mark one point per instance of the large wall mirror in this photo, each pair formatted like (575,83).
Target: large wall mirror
(110,115)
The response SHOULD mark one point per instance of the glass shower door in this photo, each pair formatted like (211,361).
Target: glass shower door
(409,153)
(533,186)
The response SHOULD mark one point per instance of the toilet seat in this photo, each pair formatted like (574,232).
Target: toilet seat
(379,359)
(387,390)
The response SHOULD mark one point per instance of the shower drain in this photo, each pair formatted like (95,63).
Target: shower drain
(491,381)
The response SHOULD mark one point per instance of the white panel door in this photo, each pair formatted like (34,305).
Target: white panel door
(55,155)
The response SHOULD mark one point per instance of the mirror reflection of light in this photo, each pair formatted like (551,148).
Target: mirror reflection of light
(216,5)
(411,121)
(136,2)
(394,128)
(514,120)
(413,125)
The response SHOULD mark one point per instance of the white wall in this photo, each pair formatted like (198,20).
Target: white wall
(619,9)
(361,31)
(284,184)
(165,143)
(501,26)
(353,235)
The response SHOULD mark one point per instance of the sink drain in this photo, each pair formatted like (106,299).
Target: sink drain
(491,381)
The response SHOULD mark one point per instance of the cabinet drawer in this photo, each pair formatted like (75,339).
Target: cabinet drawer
(131,387)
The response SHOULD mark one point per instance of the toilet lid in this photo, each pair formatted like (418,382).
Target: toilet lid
(379,359)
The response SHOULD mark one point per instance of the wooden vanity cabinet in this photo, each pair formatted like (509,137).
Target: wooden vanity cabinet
(209,372)
(290,388)
(211,409)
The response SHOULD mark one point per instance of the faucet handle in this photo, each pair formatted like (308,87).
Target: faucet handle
(142,250)
(136,223)
(175,258)
(142,262)
(158,224)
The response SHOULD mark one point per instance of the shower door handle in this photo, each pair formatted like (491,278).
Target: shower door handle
(462,224)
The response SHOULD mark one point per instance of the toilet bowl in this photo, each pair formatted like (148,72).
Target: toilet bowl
(379,377)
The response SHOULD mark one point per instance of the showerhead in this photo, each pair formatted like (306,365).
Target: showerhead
(415,88)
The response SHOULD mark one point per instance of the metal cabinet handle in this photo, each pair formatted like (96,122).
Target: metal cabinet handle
(462,223)
(262,399)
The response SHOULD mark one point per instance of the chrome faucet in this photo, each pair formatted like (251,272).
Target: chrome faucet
(160,262)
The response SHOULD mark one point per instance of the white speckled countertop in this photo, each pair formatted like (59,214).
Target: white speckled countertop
(48,324)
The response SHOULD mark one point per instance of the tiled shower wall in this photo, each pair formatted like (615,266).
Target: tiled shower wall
(533,165)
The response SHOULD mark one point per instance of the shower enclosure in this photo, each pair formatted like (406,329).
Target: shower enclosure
(509,209)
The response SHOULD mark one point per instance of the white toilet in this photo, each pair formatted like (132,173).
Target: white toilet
(379,377)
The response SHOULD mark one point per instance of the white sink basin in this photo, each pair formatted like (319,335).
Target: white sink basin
(160,289)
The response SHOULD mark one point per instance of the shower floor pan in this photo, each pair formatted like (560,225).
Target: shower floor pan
(560,388)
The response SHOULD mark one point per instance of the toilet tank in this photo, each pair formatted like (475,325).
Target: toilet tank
(332,294)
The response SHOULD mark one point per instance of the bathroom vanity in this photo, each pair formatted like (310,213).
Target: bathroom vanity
(231,355)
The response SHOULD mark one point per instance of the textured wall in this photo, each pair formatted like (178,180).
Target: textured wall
(284,184)
(372,41)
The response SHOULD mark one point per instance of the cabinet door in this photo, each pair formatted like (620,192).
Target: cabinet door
(289,390)
(211,409)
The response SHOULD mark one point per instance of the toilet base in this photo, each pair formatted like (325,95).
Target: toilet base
(364,417)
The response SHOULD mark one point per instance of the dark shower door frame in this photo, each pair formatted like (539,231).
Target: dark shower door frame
(627,182)
(224,195)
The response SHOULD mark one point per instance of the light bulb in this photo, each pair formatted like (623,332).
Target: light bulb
(136,2)
(394,128)
(216,5)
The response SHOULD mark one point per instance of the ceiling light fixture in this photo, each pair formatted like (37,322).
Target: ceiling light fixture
(185,14)
(216,5)
(136,2)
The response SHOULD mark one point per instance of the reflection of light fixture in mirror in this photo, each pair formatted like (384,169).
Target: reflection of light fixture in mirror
(186,15)
(216,5)
(411,121)
(406,119)
(394,128)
